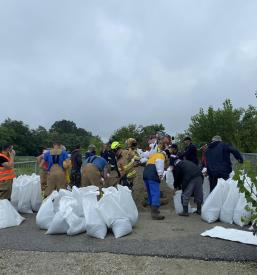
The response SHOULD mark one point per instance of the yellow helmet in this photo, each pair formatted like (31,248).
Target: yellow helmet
(115,145)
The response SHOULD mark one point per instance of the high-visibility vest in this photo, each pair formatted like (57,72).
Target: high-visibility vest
(6,173)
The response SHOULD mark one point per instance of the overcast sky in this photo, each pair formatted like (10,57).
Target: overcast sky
(104,64)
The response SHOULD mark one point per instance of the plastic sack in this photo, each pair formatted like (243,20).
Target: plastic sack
(206,188)
(228,207)
(128,204)
(212,206)
(121,227)
(240,212)
(76,224)
(15,193)
(95,225)
(8,215)
(178,203)
(25,194)
(46,212)
(36,197)
(169,179)
(58,224)
(110,208)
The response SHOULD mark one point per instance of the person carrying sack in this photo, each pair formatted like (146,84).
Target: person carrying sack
(7,173)
(94,171)
(57,159)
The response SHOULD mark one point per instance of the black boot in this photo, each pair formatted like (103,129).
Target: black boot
(185,212)
(155,213)
(199,209)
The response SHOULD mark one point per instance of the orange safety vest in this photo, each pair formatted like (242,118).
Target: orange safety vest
(6,173)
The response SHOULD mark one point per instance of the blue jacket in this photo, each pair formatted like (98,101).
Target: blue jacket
(218,159)
(99,162)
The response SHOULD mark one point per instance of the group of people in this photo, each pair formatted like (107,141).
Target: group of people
(118,165)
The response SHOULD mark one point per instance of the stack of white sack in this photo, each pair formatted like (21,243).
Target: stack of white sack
(79,211)
(225,203)
(8,215)
(26,194)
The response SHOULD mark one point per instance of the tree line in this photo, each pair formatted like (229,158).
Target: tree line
(237,126)
(31,142)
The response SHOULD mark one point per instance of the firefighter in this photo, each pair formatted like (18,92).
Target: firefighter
(126,165)
(57,160)
(94,171)
(6,171)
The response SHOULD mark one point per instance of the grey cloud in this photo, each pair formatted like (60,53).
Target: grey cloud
(105,64)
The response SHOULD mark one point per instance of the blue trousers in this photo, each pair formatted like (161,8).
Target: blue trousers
(153,192)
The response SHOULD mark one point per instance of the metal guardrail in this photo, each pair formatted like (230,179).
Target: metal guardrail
(29,167)
(26,167)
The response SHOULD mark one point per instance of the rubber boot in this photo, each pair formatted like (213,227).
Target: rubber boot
(155,213)
(199,209)
(185,212)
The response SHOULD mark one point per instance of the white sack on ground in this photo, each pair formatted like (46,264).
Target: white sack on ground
(231,235)
(110,209)
(206,188)
(95,225)
(121,227)
(240,212)
(36,196)
(212,206)
(128,204)
(46,212)
(8,215)
(227,209)
(26,193)
(178,203)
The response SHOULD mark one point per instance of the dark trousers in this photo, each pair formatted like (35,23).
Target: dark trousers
(75,178)
(194,187)
(214,180)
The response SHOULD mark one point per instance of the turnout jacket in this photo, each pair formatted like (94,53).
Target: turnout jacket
(184,171)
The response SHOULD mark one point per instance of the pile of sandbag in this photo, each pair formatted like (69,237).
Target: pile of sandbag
(225,203)
(26,194)
(80,210)
(8,215)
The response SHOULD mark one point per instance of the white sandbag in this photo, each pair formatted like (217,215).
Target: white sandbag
(15,193)
(8,215)
(212,206)
(95,225)
(169,178)
(46,212)
(110,208)
(121,227)
(62,193)
(227,209)
(58,224)
(76,224)
(233,235)
(127,203)
(178,203)
(36,196)
(206,188)
(25,194)
(240,212)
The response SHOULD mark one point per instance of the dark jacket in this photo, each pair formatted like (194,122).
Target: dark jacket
(76,160)
(184,172)
(89,154)
(218,159)
(191,153)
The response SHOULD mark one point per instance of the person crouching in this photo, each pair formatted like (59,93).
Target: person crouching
(153,174)
(188,177)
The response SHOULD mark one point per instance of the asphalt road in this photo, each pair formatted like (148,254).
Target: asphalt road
(175,237)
